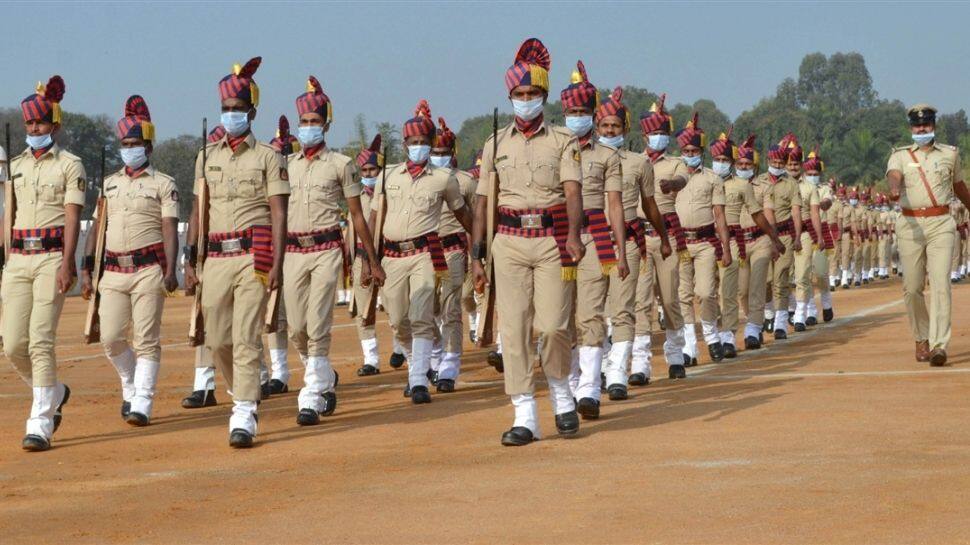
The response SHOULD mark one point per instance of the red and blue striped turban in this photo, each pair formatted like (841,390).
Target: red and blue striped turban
(657,118)
(420,124)
(531,66)
(284,142)
(240,83)
(371,155)
(794,150)
(137,122)
(692,134)
(314,101)
(747,150)
(580,93)
(45,104)
(723,145)
(814,161)
(780,150)
(613,105)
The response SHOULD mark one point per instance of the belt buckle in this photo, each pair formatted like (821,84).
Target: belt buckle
(691,235)
(406,246)
(531,221)
(126,261)
(33,244)
(231,245)
(306,241)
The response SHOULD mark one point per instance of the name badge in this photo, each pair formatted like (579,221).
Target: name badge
(394,187)
(913,165)
(214,168)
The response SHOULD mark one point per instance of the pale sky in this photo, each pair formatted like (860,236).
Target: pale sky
(381,58)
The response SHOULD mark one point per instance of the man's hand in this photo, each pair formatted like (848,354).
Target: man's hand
(171,283)
(273,279)
(365,277)
(377,274)
(778,249)
(576,248)
(65,277)
(191,280)
(665,249)
(86,285)
(796,244)
(478,274)
(726,258)
(666,186)
(622,268)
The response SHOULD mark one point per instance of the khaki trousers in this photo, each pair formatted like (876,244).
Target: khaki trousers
(621,300)
(957,253)
(834,258)
(234,308)
(469,303)
(309,287)
(409,296)
(31,310)
(361,295)
(804,269)
(847,251)
(591,288)
(132,301)
(925,246)
(781,274)
(530,292)
(666,274)
(753,279)
(698,276)
(729,290)
(451,304)
(820,264)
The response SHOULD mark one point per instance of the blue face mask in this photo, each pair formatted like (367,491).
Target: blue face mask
(527,110)
(814,180)
(39,142)
(580,125)
(692,161)
(419,154)
(309,135)
(235,123)
(853,202)
(612,141)
(658,142)
(441,161)
(134,157)
(777,171)
(924,139)
(721,168)
(745,174)
(369,182)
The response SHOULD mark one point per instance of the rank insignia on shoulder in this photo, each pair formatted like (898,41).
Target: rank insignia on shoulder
(82,184)
(175,195)
(284,175)
(576,156)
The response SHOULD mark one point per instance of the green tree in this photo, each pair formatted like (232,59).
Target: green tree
(176,157)
(862,158)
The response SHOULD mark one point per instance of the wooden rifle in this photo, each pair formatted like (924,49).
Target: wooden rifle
(485,332)
(370,312)
(92,322)
(196,322)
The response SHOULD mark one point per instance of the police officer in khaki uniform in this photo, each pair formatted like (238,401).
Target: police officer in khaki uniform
(470,302)
(811,235)
(812,170)
(314,267)
(48,185)
(537,244)
(612,124)
(835,227)
(659,270)
(454,241)
(754,242)
(370,161)
(248,193)
(415,193)
(141,245)
(700,207)
(922,177)
(602,188)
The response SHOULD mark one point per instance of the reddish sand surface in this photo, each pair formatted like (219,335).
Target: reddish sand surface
(834,436)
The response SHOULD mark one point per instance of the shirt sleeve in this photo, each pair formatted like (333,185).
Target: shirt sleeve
(614,173)
(796,195)
(957,168)
(750,202)
(717,194)
(198,173)
(680,170)
(453,194)
(275,182)
(816,198)
(349,181)
(895,162)
(76,183)
(169,196)
(646,178)
(570,169)
(486,168)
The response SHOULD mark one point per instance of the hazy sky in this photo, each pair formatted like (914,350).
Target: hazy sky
(381,58)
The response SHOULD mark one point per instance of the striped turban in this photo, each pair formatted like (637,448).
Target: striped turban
(692,134)
(613,105)
(420,124)
(45,103)
(315,101)
(240,83)
(371,155)
(657,119)
(531,66)
(580,93)
(137,122)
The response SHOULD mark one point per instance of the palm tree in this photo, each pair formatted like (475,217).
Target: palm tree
(862,157)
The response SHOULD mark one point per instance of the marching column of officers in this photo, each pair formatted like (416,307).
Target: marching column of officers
(589,241)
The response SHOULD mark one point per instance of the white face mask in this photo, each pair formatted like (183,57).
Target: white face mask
(527,110)
(369,182)
(777,171)
(693,161)
(658,142)
(580,125)
(814,180)
(309,135)
(745,174)
(924,139)
(721,168)
(419,154)
(441,161)
(134,157)
(853,202)
(612,141)
(39,142)
(235,123)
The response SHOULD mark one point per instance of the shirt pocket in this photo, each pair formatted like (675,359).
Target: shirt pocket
(702,193)
(145,199)
(546,172)
(594,170)
(249,184)
(393,197)
(325,187)
(50,189)
(216,184)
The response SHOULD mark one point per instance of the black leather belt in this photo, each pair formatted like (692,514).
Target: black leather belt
(315,239)
(452,240)
(34,244)
(132,260)
(526,221)
(231,245)
(402,246)
(705,232)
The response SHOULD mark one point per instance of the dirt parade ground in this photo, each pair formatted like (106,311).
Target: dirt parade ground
(834,436)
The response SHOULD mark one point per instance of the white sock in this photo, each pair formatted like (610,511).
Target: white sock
(727,337)
(709,330)
(560,395)
(674,346)
(281,369)
(42,409)
(146,376)
(590,363)
(419,362)
(641,356)
(243,416)
(450,366)
(318,377)
(526,413)
(781,320)
(690,340)
(574,371)
(124,363)
(205,378)
(369,348)
(616,362)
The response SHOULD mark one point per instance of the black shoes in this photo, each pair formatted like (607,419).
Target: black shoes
(716,351)
(846,286)
(407,390)
(677,371)
(137,419)
(799,327)
(419,395)
(811,320)
(35,443)
(368,370)
(277,387)
(307,417)
(240,438)
(781,334)
(767,324)
(397,360)
(264,391)
(445,385)
(617,392)
(517,436)
(125,409)
(567,423)
(827,314)
(495,360)
(639,379)
(57,412)
(199,399)
(730,351)
(432,377)
(752,343)
(689,361)
(588,408)
(329,403)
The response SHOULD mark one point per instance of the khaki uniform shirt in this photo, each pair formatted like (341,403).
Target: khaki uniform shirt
(834,213)
(695,203)
(941,166)
(667,168)
(414,206)
(810,197)
(136,207)
(637,183)
(531,172)
(44,186)
(466,186)
(739,196)
(317,186)
(761,187)
(602,172)
(240,183)
(824,194)
(784,195)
